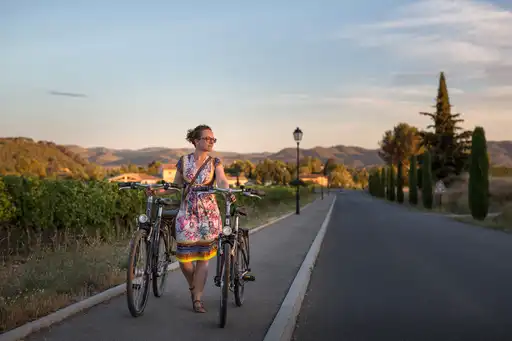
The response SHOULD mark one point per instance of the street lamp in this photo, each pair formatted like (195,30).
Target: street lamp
(297,135)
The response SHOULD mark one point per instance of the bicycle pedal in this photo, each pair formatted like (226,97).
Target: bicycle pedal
(249,278)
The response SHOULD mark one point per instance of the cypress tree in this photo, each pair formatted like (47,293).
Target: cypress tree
(426,191)
(400,183)
(377,185)
(383,182)
(419,175)
(391,183)
(478,187)
(413,182)
(371,184)
(449,148)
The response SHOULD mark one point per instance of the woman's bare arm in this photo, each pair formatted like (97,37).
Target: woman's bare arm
(220,175)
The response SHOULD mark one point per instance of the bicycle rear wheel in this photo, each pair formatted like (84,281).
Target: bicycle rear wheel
(224,284)
(137,288)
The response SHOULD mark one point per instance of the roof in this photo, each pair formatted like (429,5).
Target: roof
(140,176)
(168,166)
(313,176)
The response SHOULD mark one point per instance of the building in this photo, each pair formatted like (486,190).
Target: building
(232,180)
(167,172)
(319,179)
(135,177)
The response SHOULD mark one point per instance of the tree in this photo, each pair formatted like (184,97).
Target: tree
(478,187)
(426,190)
(413,182)
(248,169)
(154,167)
(449,148)
(400,183)
(235,169)
(399,144)
(361,177)
(341,177)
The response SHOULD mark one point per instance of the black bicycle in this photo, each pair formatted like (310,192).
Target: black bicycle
(153,243)
(232,250)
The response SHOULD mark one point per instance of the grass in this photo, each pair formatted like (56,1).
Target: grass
(46,281)
(454,203)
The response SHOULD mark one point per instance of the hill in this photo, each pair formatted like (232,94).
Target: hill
(500,153)
(25,156)
(110,158)
(22,155)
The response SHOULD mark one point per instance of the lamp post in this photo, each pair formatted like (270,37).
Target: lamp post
(297,135)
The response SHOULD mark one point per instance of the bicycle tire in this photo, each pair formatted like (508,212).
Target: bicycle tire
(247,247)
(241,265)
(137,310)
(159,280)
(224,284)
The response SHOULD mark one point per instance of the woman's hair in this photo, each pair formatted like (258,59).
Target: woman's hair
(195,134)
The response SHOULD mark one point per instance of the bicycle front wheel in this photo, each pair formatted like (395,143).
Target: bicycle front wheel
(161,264)
(224,283)
(137,279)
(241,268)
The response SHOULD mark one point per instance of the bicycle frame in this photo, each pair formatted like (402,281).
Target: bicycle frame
(232,237)
(151,221)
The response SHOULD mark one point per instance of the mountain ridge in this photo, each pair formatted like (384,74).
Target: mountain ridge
(352,156)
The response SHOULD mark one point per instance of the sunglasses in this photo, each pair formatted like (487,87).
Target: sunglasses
(209,139)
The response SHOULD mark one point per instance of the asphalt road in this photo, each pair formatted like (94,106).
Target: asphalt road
(388,273)
(276,255)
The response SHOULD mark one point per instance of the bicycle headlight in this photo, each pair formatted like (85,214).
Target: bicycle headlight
(226,230)
(143,219)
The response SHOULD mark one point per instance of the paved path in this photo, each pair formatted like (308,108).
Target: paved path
(388,273)
(276,255)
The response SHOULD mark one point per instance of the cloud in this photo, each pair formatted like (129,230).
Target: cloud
(469,40)
(440,32)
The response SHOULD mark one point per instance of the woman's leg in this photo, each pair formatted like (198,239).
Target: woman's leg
(188,271)
(199,281)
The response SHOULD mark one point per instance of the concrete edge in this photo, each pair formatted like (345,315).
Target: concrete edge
(283,326)
(72,309)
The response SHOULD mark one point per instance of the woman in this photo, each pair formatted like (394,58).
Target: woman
(199,221)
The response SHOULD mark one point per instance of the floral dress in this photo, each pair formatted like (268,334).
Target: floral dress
(198,223)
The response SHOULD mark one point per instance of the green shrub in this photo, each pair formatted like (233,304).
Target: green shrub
(33,210)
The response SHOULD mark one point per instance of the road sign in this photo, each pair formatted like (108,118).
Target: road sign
(440,187)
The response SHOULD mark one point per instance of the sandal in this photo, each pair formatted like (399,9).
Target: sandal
(198,306)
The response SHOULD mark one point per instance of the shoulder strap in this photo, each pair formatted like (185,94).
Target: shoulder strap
(182,161)
(187,189)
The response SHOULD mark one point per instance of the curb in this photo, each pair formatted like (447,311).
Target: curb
(284,322)
(64,313)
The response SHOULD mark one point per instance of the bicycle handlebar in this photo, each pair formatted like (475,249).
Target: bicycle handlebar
(137,185)
(250,192)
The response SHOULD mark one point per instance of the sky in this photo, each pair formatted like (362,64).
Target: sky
(342,71)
